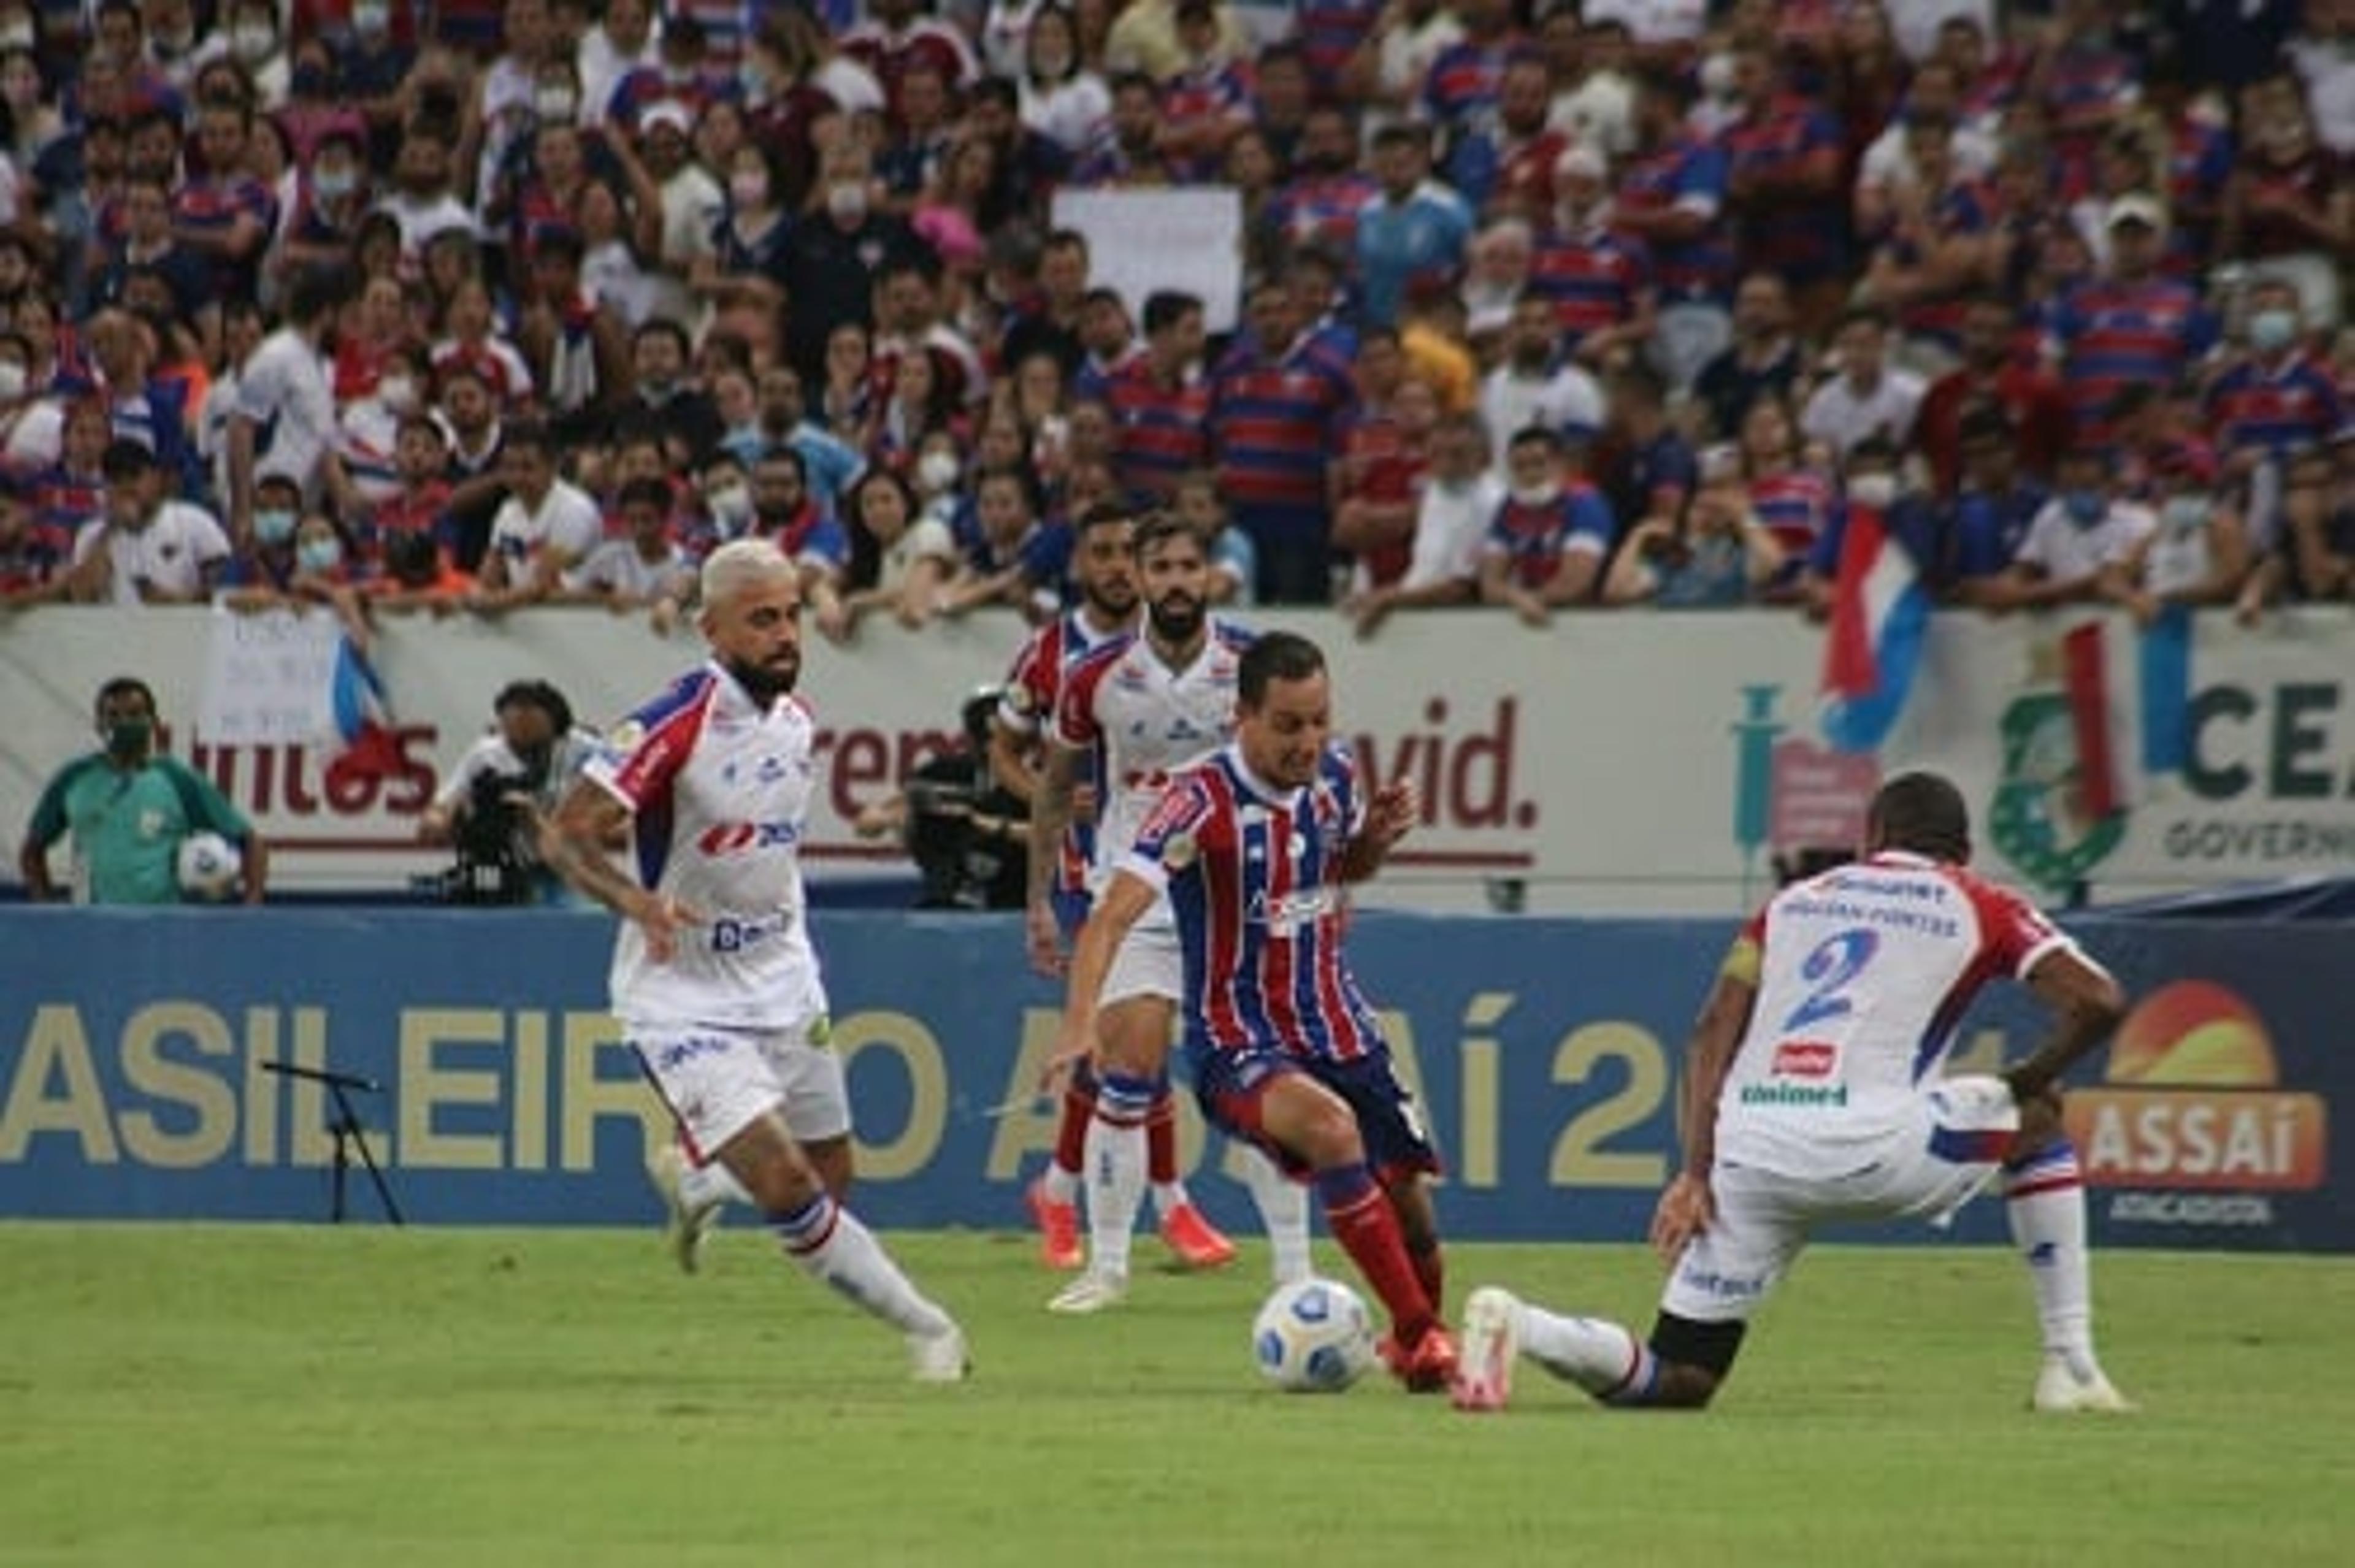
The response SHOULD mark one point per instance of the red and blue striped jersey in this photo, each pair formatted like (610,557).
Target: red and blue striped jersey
(1799,237)
(1466,81)
(1273,421)
(1329,32)
(1033,688)
(1689,175)
(1794,505)
(726,24)
(1163,430)
(1536,539)
(1322,207)
(213,206)
(2254,410)
(2088,86)
(1253,877)
(2121,335)
(1594,281)
(1961,210)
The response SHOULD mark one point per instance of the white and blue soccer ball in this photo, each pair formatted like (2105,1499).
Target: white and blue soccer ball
(206,865)
(1313,1336)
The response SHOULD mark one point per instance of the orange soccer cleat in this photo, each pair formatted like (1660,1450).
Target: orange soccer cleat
(1197,1242)
(1058,1228)
(1429,1367)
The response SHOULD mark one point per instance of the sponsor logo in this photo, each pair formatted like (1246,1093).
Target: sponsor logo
(1725,1286)
(2192,1101)
(1805,1059)
(679,1053)
(729,935)
(1795,1096)
(745,838)
(2038,819)
(1291,910)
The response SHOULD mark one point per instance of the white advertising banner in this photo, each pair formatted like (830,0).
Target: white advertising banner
(1634,762)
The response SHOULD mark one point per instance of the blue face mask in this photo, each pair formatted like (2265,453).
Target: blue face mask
(2086,507)
(319,555)
(274,527)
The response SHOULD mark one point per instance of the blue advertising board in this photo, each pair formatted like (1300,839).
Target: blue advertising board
(135,1049)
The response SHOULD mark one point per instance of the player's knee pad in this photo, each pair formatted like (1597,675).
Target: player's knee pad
(1687,1341)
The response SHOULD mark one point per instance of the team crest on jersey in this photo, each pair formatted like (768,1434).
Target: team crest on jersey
(626,735)
(1179,850)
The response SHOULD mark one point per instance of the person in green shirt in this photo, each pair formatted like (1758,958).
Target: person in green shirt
(129,807)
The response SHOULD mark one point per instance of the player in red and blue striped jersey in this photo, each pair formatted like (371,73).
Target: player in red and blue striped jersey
(1253,850)
(1104,564)
(1815,1090)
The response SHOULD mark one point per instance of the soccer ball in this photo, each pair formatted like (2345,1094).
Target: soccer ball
(207,867)
(1313,1336)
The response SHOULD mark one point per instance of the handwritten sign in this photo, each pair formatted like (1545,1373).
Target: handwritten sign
(270,679)
(1143,242)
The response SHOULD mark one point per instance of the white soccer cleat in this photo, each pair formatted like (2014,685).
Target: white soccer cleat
(1092,1292)
(939,1358)
(684,1224)
(2067,1384)
(1491,1343)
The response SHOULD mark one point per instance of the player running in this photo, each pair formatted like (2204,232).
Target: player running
(1104,564)
(1146,705)
(714,980)
(1812,1092)
(1251,852)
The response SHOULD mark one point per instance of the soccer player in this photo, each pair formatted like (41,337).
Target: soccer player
(714,979)
(1144,706)
(1812,1091)
(1251,851)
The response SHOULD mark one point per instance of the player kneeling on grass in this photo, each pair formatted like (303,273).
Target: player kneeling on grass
(1255,847)
(714,979)
(1812,1093)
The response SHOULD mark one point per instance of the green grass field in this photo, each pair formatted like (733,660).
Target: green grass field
(260,1395)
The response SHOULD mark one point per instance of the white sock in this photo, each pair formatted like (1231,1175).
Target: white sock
(2044,1197)
(1283,1210)
(1601,1356)
(713,1183)
(1058,1185)
(1116,1169)
(1169,1197)
(828,1243)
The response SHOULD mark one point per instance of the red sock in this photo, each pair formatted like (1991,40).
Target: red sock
(1430,1269)
(1362,1221)
(1161,1139)
(1072,1132)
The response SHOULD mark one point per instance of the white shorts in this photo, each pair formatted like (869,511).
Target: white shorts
(1149,963)
(717,1081)
(1765,1217)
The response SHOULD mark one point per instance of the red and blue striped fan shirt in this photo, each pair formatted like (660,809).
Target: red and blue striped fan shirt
(1252,878)
(2121,335)
(1163,429)
(1274,419)
(1691,175)
(1330,31)
(1322,207)
(1594,281)
(2251,408)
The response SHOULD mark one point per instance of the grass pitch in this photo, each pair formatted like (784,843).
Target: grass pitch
(260,1395)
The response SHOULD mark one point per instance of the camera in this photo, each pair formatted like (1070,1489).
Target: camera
(496,864)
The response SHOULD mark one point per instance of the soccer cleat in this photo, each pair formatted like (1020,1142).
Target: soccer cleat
(1492,1339)
(1197,1242)
(1092,1292)
(940,1357)
(684,1224)
(1428,1366)
(2067,1384)
(1058,1228)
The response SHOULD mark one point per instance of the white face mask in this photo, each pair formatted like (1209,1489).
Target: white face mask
(319,555)
(731,506)
(556,105)
(16,36)
(846,200)
(253,41)
(1537,495)
(936,471)
(1874,490)
(398,393)
(373,20)
(12,381)
(335,184)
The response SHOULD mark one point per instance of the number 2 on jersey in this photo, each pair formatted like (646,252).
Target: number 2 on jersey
(1836,962)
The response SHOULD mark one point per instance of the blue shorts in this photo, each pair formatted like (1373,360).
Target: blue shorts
(1230,1084)
(1071,907)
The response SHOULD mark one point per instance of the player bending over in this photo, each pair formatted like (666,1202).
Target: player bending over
(714,980)
(1812,1091)
(1253,849)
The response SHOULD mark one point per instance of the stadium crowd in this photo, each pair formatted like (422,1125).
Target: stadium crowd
(468,306)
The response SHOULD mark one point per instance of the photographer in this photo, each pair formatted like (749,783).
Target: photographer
(965,831)
(491,805)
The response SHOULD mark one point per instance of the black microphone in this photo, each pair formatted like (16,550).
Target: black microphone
(321,1075)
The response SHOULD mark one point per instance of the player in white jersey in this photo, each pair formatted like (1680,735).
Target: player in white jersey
(714,980)
(1813,1092)
(1153,704)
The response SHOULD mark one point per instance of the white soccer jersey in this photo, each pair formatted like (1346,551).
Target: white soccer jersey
(1151,721)
(1864,973)
(720,792)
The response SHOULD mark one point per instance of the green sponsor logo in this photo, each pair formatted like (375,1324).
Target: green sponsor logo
(1796,1096)
(2036,820)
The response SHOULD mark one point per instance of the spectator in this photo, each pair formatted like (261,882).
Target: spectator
(129,806)
(642,570)
(1279,401)
(1783,183)
(1868,397)
(2288,206)
(285,412)
(2026,396)
(1451,516)
(149,550)
(1413,230)
(1998,500)
(1534,385)
(1672,197)
(1599,281)
(1547,543)
(2132,327)
(496,799)
(1644,465)
(33,557)
(1062,98)
(1716,554)
(1765,358)
(901,558)
(1791,498)
(2315,561)
(546,526)
(2197,554)
(2077,543)
(665,400)
(1013,560)
(1234,568)
(1385,464)
(2277,399)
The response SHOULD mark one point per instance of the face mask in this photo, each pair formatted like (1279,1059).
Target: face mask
(753,80)
(1874,490)
(172,45)
(128,737)
(372,20)
(2086,507)
(253,43)
(12,381)
(319,555)
(309,82)
(936,471)
(17,37)
(730,506)
(558,105)
(1535,494)
(2184,514)
(2271,331)
(398,393)
(749,190)
(335,184)
(847,201)
(1050,65)
(274,527)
